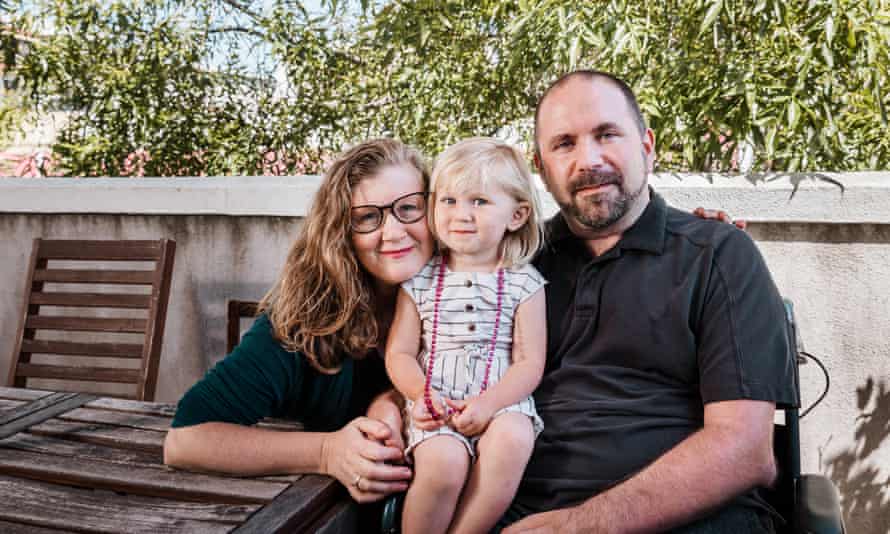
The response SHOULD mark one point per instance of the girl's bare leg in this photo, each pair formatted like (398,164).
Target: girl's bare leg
(441,464)
(502,454)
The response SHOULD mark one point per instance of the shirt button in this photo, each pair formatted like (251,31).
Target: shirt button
(471,327)
(468,283)
(469,307)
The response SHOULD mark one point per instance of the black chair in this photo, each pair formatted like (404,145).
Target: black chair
(809,503)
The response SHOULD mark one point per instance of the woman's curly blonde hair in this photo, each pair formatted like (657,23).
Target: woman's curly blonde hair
(323,302)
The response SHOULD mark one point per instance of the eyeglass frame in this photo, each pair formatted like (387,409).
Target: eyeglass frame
(382,210)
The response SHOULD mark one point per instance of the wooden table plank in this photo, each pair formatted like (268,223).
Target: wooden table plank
(7,404)
(22,394)
(136,480)
(168,410)
(7,527)
(115,418)
(39,410)
(34,406)
(132,406)
(113,436)
(52,505)
(296,508)
(26,441)
(76,449)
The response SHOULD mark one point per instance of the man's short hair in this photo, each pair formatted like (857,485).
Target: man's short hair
(591,75)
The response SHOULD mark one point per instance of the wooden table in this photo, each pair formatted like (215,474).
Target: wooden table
(77,462)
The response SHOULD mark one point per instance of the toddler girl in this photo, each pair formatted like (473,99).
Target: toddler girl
(467,344)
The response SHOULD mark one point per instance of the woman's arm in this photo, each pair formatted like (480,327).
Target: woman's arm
(354,451)
(524,374)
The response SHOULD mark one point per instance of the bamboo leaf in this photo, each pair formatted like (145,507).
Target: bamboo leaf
(711,16)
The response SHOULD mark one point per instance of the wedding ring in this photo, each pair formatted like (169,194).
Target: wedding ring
(358,479)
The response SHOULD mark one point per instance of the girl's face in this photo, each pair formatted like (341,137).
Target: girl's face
(472,224)
(395,251)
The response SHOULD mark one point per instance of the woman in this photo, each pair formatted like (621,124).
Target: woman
(313,352)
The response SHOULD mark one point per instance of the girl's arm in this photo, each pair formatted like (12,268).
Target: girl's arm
(401,362)
(402,347)
(524,374)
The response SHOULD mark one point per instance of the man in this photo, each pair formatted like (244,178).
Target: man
(667,351)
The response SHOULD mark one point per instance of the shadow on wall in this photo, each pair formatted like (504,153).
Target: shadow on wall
(865,496)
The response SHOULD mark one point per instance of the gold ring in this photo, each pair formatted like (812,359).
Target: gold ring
(358,478)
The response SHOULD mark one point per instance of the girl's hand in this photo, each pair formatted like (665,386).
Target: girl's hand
(719,215)
(355,455)
(423,419)
(472,415)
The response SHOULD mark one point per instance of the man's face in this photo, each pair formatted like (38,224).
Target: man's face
(592,156)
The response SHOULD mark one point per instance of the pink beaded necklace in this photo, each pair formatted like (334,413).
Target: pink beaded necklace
(440,284)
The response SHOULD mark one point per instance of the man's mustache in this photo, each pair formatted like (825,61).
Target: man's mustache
(593,179)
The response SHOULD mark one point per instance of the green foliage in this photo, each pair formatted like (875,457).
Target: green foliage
(162,87)
(803,84)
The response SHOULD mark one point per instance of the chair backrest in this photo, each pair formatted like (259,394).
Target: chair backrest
(53,317)
(786,438)
(237,310)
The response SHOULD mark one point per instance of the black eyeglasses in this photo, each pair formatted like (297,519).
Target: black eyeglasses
(406,209)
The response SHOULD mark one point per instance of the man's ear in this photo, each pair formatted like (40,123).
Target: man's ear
(649,149)
(539,166)
(519,217)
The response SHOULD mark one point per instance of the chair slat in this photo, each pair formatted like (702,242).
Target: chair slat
(85,324)
(75,276)
(237,310)
(99,250)
(92,300)
(85,374)
(67,348)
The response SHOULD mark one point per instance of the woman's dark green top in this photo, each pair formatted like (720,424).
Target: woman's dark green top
(260,378)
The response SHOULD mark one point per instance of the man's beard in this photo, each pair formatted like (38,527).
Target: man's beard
(589,210)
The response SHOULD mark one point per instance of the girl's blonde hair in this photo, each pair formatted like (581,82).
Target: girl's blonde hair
(323,302)
(484,162)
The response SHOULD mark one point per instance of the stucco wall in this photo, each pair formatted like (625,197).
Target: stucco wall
(828,249)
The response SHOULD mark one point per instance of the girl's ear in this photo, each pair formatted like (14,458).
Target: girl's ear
(520,216)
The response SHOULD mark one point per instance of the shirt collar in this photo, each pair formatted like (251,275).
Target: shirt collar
(646,234)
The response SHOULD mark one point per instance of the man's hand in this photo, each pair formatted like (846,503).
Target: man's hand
(472,415)
(719,215)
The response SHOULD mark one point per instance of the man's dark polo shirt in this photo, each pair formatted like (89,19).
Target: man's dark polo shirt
(681,312)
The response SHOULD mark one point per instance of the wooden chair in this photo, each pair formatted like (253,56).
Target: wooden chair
(237,310)
(151,328)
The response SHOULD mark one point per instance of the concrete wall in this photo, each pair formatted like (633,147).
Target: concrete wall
(828,249)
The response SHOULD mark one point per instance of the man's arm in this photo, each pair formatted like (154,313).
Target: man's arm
(729,455)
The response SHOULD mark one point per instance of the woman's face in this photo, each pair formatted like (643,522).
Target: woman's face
(395,251)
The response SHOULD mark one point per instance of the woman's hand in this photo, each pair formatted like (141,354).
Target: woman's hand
(355,455)
(472,415)
(423,419)
(719,215)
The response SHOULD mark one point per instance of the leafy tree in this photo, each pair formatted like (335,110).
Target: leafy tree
(796,85)
(157,87)
(162,87)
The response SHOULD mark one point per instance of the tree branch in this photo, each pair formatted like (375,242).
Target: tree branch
(238,29)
